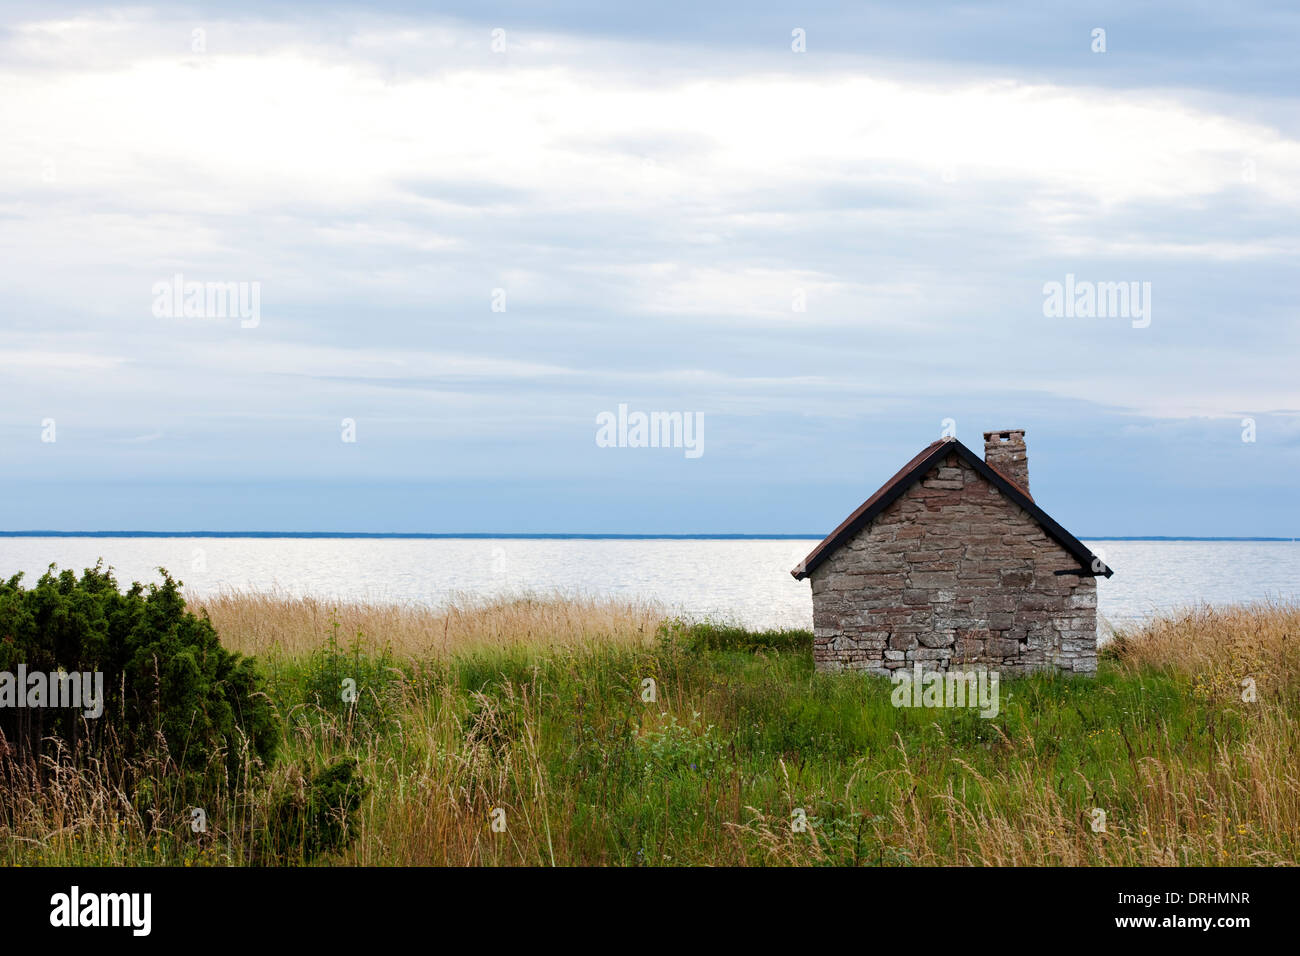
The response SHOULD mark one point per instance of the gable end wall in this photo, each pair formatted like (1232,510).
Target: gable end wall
(953,574)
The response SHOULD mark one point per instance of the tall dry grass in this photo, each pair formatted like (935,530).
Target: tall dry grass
(1218,647)
(269,622)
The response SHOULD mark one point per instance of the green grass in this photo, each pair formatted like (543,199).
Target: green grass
(742,736)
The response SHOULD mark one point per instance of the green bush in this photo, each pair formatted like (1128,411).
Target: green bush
(364,687)
(169,686)
(314,814)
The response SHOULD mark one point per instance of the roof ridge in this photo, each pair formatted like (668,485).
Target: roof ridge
(911,473)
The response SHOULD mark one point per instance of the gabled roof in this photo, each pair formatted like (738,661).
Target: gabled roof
(913,472)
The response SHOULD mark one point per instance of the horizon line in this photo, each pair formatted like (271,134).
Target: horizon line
(546,535)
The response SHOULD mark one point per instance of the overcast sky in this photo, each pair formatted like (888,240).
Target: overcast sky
(472,243)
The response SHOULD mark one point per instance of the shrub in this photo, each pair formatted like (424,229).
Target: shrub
(169,687)
(357,684)
(314,814)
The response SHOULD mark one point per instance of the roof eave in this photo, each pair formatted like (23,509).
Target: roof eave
(866,512)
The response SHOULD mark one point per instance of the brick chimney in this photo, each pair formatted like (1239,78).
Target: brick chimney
(1005,451)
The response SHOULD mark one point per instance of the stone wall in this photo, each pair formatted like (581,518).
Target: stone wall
(953,574)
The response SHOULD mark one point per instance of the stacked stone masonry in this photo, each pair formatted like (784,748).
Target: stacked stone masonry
(953,575)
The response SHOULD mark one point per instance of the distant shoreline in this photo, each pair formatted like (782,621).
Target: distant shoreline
(545,536)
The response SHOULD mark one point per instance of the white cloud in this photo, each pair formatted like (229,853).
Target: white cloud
(288,124)
(287,156)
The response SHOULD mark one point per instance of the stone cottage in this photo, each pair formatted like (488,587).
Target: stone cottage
(951,564)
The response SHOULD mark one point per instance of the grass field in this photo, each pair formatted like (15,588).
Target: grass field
(518,733)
